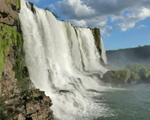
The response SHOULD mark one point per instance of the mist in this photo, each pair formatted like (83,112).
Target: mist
(123,57)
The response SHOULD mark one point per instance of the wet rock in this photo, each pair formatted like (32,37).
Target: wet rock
(92,90)
(16,104)
(30,105)
(64,91)
(32,7)
(8,12)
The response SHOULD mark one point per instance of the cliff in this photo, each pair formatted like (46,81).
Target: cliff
(97,37)
(18,97)
(139,55)
(9,11)
(99,45)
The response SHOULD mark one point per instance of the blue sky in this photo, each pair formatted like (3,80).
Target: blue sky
(123,23)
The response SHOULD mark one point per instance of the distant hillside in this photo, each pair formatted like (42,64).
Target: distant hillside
(139,55)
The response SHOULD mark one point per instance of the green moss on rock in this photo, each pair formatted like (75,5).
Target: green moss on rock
(22,74)
(18,3)
(3,111)
(8,37)
(97,37)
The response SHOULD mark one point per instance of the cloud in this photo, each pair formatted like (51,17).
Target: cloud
(75,9)
(52,7)
(80,23)
(148,37)
(141,26)
(104,32)
(130,19)
(108,35)
(127,39)
(96,13)
(110,29)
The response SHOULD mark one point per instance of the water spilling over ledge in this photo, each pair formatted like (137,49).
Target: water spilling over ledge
(63,61)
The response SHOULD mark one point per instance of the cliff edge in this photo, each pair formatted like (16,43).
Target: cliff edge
(18,98)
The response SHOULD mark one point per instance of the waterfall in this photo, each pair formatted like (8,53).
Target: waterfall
(62,60)
(103,55)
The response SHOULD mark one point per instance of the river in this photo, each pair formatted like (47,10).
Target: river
(130,103)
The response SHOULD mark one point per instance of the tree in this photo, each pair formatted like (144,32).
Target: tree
(121,76)
(124,74)
(135,67)
(135,76)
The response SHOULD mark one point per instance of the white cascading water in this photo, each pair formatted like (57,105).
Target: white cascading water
(63,61)
(103,54)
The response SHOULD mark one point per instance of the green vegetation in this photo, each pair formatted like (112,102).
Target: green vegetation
(18,3)
(56,16)
(21,71)
(97,37)
(139,72)
(3,90)
(131,74)
(8,36)
(3,115)
(10,96)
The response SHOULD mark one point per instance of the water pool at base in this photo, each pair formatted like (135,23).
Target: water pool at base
(132,103)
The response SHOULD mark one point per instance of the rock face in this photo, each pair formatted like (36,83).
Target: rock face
(97,37)
(9,11)
(30,105)
(99,45)
(7,80)
(19,100)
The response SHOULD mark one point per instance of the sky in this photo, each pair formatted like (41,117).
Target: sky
(122,23)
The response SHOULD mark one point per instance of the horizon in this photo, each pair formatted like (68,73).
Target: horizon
(130,48)
(122,24)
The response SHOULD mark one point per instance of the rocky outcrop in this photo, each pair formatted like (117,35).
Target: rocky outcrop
(97,37)
(19,100)
(30,105)
(99,45)
(9,11)
(8,38)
